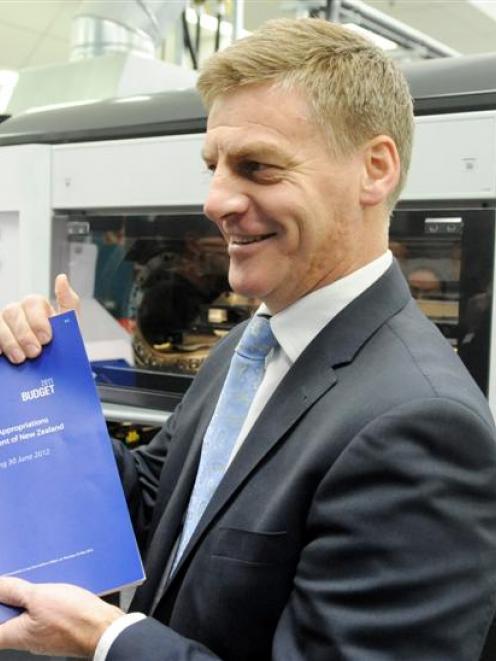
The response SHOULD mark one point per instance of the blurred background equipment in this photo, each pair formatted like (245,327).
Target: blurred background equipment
(88,50)
(110,190)
(113,53)
(121,212)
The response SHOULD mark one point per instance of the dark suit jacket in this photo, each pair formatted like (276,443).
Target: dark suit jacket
(358,520)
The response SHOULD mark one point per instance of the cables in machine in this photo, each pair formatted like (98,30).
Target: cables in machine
(194,48)
(199,12)
(221,9)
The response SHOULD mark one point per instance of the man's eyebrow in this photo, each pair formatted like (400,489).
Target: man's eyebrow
(253,150)
(206,154)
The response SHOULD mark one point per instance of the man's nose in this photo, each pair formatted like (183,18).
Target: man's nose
(225,198)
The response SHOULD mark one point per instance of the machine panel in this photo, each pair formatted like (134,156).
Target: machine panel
(147,172)
(454,157)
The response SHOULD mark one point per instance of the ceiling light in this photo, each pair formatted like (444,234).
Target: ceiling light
(133,99)
(56,106)
(8,80)
(485,6)
(209,23)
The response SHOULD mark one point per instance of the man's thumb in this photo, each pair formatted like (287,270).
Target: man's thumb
(66,297)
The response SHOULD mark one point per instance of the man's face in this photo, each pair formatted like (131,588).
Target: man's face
(288,210)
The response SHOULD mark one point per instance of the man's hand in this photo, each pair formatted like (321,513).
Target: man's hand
(24,326)
(60,620)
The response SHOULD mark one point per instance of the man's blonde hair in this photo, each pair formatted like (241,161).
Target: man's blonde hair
(355,90)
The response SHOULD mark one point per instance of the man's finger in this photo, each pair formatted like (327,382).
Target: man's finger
(11,633)
(17,338)
(66,297)
(14,591)
(37,311)
(9,346)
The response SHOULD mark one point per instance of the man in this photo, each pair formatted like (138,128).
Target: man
(355,516)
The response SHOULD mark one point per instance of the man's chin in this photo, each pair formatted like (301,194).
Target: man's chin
(245,288)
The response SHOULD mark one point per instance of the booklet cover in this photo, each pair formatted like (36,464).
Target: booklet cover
(63,514)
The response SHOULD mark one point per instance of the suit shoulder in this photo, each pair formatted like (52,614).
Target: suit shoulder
(432,360)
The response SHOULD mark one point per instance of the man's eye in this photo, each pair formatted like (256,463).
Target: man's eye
(252,167)
(209,168)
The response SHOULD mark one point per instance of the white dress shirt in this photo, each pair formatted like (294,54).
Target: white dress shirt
(294,328)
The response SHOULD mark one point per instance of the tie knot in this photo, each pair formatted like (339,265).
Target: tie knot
(257,340)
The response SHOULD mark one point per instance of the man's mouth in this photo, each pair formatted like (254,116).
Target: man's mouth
(246,240)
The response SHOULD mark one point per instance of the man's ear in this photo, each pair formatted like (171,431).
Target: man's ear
(381,171)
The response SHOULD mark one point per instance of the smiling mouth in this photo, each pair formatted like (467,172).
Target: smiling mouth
(247,240)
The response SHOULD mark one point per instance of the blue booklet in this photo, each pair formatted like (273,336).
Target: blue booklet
(63,514)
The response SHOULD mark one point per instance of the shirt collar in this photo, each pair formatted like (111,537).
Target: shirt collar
(298,324)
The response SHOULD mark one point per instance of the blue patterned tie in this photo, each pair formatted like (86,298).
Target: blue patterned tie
(245,375)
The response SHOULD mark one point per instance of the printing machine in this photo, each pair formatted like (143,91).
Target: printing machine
(111,192)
